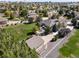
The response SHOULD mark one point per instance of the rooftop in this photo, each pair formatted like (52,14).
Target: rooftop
(35,42)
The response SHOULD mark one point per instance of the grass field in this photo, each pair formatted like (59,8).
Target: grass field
(71,49)
(12,41)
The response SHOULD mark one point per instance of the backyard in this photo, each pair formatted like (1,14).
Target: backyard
(12,41)
(20,31)
(71,48)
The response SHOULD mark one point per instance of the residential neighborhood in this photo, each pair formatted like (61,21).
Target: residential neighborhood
(39,29)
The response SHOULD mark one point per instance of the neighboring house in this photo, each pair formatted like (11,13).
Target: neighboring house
(69,25)
(33,16)
(3,21)
(44,18)
(16,13)
(63,21)
(25,22)
(2,9)
(77,17)
(77,21)
(77,24)
(51,23)
(54,24)
(31,11)
(41,8)
(13,22)
(50,14)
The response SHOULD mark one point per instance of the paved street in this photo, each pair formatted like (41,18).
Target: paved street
(53,47)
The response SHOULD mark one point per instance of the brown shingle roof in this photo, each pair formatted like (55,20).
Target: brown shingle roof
(35,42)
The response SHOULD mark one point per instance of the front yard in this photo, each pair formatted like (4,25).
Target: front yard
(12,41)
(71,49)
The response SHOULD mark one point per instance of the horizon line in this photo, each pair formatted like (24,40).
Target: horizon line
(40,1)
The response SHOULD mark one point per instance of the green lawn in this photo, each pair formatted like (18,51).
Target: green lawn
(71,49)
(20,31)
(12,41)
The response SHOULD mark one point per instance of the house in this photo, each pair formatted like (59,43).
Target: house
(76,21)
(39,43)
(3,21)
(25,22)
(13,22)
(51,23)
(50,14)
(35,42)
(77,24)
(31,11)
(33,16)
(44,18)
(63,21)
(2,9)
(77,17)
(16,13)
(41,8)
(69,25)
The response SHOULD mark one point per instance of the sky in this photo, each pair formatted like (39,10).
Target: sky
(44,0)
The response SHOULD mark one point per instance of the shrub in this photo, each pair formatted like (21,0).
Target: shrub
(55,38)
(74,21)
(63,32)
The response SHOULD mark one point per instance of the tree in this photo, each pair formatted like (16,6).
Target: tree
(38,19)
(30,20)
(54,29)
(60,11)
(55,38)
(7,13)
(53,17)
(63,32)
(23,13)
(43,12)
(72,14)
(12,15)
(74,21)
(47,30)
(10,47)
